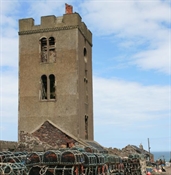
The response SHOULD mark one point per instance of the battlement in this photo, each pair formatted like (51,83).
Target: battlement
(53,23)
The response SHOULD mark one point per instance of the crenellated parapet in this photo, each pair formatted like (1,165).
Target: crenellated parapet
(53,23)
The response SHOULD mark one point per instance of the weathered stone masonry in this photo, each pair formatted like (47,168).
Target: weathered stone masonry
(55,77)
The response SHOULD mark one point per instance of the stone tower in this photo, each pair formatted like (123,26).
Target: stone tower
(55,74)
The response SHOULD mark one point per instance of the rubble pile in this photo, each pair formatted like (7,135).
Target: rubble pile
(134,164)
(32,143)
(124,152)
(128,150)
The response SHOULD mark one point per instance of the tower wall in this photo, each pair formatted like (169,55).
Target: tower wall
(69,61)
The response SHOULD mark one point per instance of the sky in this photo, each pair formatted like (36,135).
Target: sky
(131,67)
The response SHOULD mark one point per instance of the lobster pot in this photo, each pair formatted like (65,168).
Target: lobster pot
(120,160)
(41,170)
(125,163)
(5,169)
(34,158)
(90,149)
(100,159)
(117,159)
(100,162)
(71,157)
(14,158)
(35,170)
(80,149)
(115,165)
(111,159)
(121,166)
(19,168)
(3,155)
(89,159)
(11,160)
(18,154)
(51,157)
(107,159)
(13,169)
(21,156)
(134,158)
(66,170)
(110,162)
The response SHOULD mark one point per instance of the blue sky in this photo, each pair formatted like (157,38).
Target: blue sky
(131,67)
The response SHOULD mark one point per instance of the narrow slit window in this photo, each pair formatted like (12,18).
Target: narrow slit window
(52,86)
(44,87)
(86,127)
(85,55)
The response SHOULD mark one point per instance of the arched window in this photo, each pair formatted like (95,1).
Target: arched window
(43,87)
(52,86)
(48,87)
(43,43)
(51,41)
(48,53)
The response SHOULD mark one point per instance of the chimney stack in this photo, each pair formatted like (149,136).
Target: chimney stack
(68,9)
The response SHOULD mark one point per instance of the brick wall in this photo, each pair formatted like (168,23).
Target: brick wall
(52,135)
(44,138)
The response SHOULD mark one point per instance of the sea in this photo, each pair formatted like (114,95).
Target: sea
(162,155)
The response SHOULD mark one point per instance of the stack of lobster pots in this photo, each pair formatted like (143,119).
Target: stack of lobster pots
(75,161)
(13,163)
(134,165)
(66,162)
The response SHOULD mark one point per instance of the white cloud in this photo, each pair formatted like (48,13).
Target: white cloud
(138,24)
(159,59)
(9,95)
(129,112)
(8,21)
(116,101)
(9,52)
(126,18)
(9,11)
(44,8)
(9,7)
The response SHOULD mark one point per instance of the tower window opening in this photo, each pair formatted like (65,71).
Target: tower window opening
(43,50)
(52,54)
(52,86)
(43,42)
(48,53)
(44,87)
(86,127)
(51,41)
(48,87)
(85,54)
